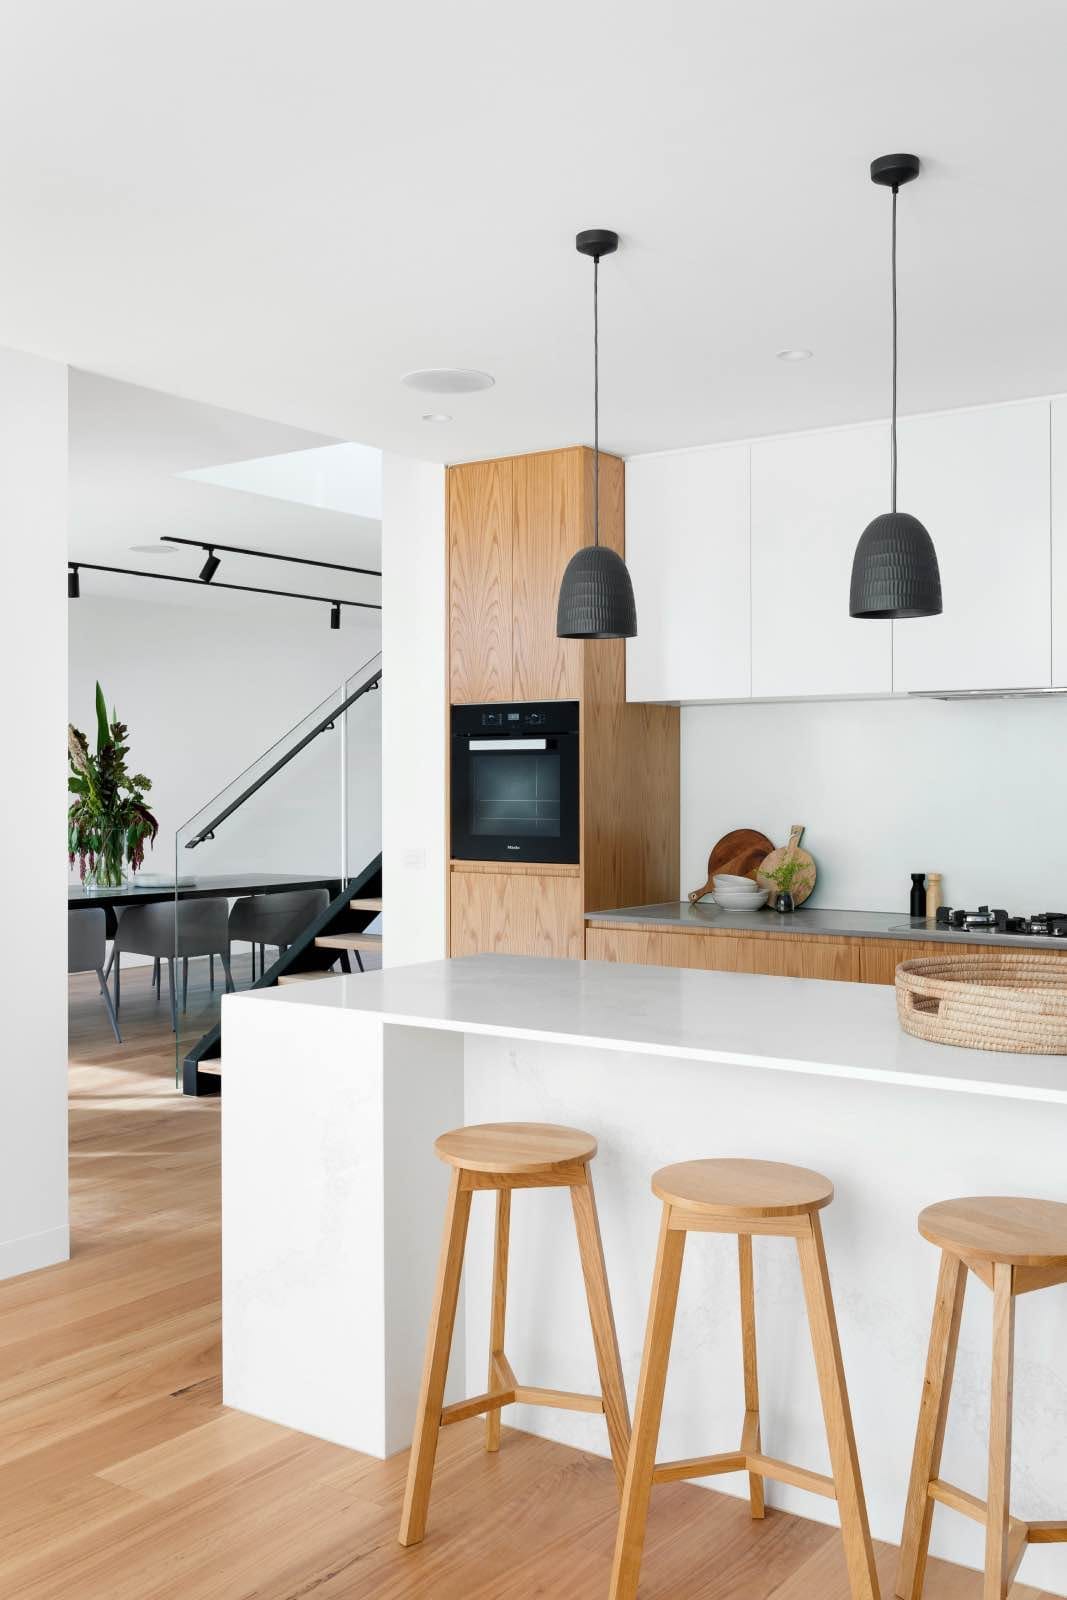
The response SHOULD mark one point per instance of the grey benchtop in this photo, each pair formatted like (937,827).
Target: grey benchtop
(675,914)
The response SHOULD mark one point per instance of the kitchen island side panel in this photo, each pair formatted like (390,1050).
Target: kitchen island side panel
(890,1150)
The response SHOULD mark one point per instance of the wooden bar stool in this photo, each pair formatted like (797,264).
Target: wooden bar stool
(506,1156)
(746,1198)
(1014,1246)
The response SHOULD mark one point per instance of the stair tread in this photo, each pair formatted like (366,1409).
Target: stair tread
(370,903)
(349,941)
(304,977)
(212,1068)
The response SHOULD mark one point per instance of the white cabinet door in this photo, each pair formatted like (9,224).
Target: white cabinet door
(812,496)
(979,482)
(1059,543)
(687,549)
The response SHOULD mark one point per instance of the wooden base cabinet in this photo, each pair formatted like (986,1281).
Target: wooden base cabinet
(788,955)
(516,913)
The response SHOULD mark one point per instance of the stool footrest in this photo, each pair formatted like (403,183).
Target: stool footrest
(476,1406)
(969,1505)
(521,1394)
(745,1461)
(560,1399)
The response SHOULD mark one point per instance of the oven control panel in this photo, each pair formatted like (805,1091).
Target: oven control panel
(544,716)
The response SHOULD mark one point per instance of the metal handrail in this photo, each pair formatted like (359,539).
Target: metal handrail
(328,721)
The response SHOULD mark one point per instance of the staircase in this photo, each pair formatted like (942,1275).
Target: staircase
(338,934)
(264,823)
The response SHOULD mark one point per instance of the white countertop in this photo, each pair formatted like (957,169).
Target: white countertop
(847,1030)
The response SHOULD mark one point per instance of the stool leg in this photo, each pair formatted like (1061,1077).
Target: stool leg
(602,1319)
(859,1554)
(641,1460)
(998,1573)
(499,1312)
(930,1433)
(435,1370)
(750,1437)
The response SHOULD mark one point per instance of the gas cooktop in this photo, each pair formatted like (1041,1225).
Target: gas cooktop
(1045,925)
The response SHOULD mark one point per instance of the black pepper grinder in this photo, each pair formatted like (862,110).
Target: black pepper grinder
(918,894)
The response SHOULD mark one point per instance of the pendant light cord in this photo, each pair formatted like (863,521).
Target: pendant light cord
(596,404)
(893,427)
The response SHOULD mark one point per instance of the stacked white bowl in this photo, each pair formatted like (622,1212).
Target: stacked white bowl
(738,894)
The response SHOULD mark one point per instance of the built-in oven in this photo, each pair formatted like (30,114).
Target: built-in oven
(515,782)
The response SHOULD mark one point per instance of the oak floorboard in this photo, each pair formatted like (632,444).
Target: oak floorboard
(123,1477)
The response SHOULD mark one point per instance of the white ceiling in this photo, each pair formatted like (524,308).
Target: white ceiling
(129,447)
(283,208)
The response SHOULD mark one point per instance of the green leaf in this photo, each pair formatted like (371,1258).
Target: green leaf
(103,727)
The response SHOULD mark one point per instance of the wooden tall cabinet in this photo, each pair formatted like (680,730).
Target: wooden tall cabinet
(513,524)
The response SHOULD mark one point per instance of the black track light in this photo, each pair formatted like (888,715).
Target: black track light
(74,587)
(210,567)
(335,615)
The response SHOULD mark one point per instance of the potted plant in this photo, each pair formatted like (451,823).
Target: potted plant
(108,821)
(787,878)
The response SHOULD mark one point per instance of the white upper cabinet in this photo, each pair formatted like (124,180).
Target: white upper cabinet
(812,496)
(979,482)
(687,548)
(1059,543)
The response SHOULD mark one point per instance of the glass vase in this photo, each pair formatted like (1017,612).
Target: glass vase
(106,869)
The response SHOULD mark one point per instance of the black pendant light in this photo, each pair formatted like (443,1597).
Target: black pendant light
(894,570)
(596,597)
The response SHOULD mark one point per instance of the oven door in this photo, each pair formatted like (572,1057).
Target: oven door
(515,799)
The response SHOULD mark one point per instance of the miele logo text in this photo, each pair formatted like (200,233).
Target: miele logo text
(514,846)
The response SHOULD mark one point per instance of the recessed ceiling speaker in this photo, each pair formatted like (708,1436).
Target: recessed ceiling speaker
(448,380)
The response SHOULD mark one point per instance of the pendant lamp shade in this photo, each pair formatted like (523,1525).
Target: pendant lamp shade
(895,571)
(596,596)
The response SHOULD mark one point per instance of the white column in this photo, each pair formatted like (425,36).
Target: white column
(414,710)
(33,933)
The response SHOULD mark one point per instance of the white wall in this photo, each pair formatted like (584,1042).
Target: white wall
(205,691)
(974,790)
(33,637)
(415,691)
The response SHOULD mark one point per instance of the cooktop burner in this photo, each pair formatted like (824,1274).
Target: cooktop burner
(1045,924)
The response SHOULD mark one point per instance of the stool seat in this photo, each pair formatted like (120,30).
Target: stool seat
(514,1147)
(736,1188)
(1004,1228)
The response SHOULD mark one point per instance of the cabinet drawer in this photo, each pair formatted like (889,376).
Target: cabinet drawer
(519,914)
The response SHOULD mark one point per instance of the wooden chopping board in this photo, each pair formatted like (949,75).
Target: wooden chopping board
(740,852)
(803,886)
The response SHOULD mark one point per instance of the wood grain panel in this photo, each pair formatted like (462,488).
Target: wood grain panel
(790,957)
(879,958)
(521,869)
(515,914)
(480,539)
(551,521)
(631,799)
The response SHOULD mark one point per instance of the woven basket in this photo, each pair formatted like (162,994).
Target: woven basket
(1001,1001)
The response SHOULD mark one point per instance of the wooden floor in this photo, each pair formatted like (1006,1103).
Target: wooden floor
(122,1477)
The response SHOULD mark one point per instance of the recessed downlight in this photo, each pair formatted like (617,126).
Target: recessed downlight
(436,416)
(154,549)
(795,355)
(448,380)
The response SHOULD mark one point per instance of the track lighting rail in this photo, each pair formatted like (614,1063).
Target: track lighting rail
(74,587)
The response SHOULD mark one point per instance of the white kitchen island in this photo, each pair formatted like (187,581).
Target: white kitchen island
(333,1205)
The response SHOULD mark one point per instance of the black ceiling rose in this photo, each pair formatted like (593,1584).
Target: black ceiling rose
(895,571)
(596,596)
(895,574)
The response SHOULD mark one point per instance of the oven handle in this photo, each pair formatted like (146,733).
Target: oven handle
(508,744)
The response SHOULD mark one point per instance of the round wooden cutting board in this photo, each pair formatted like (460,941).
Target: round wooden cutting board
(805,885)
(740,853)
